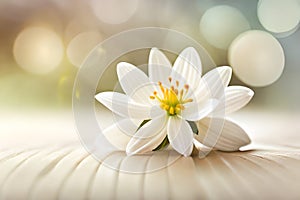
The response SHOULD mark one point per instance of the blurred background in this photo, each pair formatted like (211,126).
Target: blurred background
(44,42)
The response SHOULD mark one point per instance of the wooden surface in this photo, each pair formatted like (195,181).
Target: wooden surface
(42,158)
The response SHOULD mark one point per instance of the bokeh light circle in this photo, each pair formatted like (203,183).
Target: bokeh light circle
(38,50)
(81,45)
(221,24)
(114,11)
(279,16)
(257,58)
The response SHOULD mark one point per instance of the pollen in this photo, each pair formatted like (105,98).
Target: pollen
(172,99)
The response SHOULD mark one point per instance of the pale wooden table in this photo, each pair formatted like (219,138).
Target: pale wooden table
(41,158)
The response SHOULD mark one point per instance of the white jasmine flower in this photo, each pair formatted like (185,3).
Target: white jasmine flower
(168,99)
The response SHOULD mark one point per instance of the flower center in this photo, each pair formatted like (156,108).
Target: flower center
(172,99)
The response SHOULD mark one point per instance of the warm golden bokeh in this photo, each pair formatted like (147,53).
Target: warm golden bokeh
(38,50)
(43,43)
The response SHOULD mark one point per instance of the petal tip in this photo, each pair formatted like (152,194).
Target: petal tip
(228,69)
(187,154)
(124,66)
(120,64)
(250,92)
(154,49)
(157,57)
(154,52)
(244,142)
(247,140)
(99,96)
(128,150)
(191,49)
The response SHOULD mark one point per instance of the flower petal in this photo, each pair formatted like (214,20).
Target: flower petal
(180,135)
(222,134)
(235,98)
(142,93)
(159,67)
(131,78)
(120,133)
(217,80)
(188,67)
(124,106)
(198,110)
(148,137)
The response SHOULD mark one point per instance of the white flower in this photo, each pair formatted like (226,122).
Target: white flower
(169,98)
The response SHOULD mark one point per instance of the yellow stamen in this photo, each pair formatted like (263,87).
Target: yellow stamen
(171,111)
(166,107)
(161,87)
(188,101)
(177,110)
(172,99)
(181,94)
(176,91)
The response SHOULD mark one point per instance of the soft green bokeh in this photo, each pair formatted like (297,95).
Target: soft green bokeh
(22,90)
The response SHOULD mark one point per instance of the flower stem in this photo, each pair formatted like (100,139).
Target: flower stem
(163,144)
(143,123)
(194,127)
